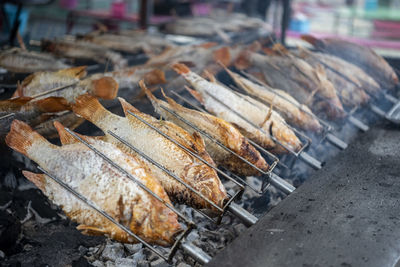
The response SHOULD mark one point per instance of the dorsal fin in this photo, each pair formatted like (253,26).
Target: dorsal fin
(223,55)
(66,138)
(74,72)
(127,107)
(210,76)
(195,94)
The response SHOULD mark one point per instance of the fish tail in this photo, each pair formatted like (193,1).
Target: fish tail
(151,97)
(89,107)
(181,68)
(155,77)
(52,104)
(21,137)
(37,179)
(105,88)
(243,61)
(65,137)
(222,55)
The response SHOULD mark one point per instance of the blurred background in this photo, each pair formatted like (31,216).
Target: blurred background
(370,22)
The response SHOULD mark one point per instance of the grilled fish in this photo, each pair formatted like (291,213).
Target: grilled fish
(45,84)
(191,170)
(296,77)
(292,111)
(350,92)
(77,49)
(91,176)
(219,129)
(21,61)
(129,77)
(29,111)
(272,124)
(132,43)
(67,118)
(364,57)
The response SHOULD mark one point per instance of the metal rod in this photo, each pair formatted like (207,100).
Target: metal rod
(247,218)
(6,116)
(278,182)
(316,164)
(185,148)
(377,110)
(336,141)
(359,124)
(158,165)
(130,176)
(196,253)
(55,89)
(391,98)
(106,215)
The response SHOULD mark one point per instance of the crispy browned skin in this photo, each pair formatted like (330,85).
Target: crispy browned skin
(219,129)
(188,168)
(362,56)
(93,177)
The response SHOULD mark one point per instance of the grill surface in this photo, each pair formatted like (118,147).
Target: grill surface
(347,214)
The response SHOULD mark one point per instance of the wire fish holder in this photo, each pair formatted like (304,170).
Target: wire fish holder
(190,249)
(328,128)
(272,178)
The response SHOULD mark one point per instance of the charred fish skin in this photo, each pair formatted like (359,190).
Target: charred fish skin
(91,176)
(362,56)
(271,123)
(42,84)
(298,78)
(350,92)
(191,170)
(292,111)
(222,131)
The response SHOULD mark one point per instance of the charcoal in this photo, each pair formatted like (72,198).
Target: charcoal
(83,250)
(10,180)
(113,251)
(2,255)
(143,263)
(159,263)
(10,229)
(81,262)
(182,264)
(98,263)
(125,262)
(133,248)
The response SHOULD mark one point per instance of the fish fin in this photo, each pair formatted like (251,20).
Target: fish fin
(18,92)
(105,88)
(268,51)
(74,72)
(243,62)
(280,49)
(27,80)
(222,55)
(195,94)
(149,94)
(21,137)
(90,230)
(52,104)
(210,76)
(37,179)
(155,77)
(181,68)
(127,107)
(188,64)
(89,107)
(170,100)
(66,138)
(208,45)
(15,102)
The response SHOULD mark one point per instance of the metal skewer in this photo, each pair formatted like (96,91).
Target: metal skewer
(55,89)
(7,116)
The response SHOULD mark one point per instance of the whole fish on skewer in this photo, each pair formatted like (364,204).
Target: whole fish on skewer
(26,109)
(293,112)
(351,94)
(77,49)
(219,129)
(129,43)
(45,84)
(272,124)
(191,170)
(295,76)
(22,61)
(362,56)
(90,175)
